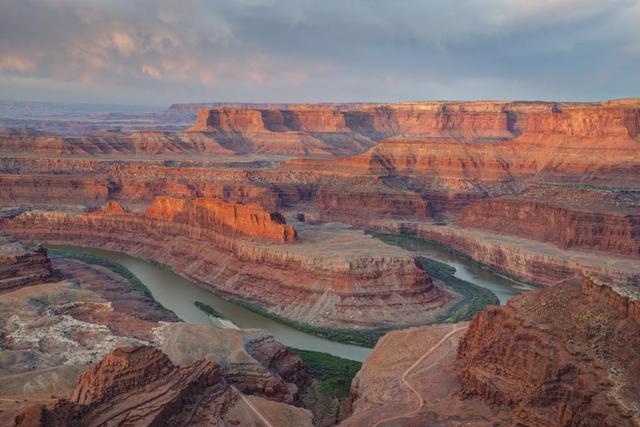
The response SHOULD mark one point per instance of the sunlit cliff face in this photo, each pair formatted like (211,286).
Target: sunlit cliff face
(157,51)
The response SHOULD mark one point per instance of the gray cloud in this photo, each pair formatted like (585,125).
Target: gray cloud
(162,51)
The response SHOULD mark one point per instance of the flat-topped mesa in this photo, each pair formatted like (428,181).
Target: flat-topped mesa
(461,121)
(333,277)
(249,219)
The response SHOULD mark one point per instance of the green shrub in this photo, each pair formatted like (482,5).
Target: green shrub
(365,338)
(335,374)
(208,309)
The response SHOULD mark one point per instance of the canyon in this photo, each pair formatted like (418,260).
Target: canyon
(275,206)
(530,362)
(90,319)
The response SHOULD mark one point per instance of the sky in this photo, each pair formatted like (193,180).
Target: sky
(159,52)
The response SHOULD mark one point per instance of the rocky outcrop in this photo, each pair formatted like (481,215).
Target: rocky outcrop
(560,356)
(140,385)
(623,299)
(530,260)
(372,201)
(250,359)
(250,220)
(552,366)
(470,121)
(565,226)
(22,266)
(331,277)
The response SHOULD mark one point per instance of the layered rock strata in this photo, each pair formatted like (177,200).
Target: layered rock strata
(51,332)
(553,366)
(531,260)
(470,121)
(140,385)
(22,266)
(566,224)
(323,279)
(215,214)
(531,362)
(251,360)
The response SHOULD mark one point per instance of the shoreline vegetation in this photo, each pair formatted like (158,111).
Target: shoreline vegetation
(136,284)
(365,338)
(405,240)
(206,308)
(334,373)
(474,296)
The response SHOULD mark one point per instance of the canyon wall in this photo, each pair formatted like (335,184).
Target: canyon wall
(583,369)
(564,226)
(22,266)
(530,260)
(470,121)
(322,279)
(563,355)
(250,220)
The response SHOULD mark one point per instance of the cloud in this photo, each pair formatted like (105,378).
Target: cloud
(16,64)
(163,51)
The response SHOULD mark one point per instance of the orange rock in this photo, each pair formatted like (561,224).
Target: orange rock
(251,220)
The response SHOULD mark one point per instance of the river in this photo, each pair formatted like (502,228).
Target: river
(502,286)
(179,294)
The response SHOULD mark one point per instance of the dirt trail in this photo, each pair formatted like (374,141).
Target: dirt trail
(253,408)
(404,381)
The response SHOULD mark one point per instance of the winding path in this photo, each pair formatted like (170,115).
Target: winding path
(253,408)
(404,381)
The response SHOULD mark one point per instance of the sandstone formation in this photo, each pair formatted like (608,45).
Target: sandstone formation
(558,356)
(250,220)
(545,192)
(21,266)
(553,216)
(140,386)
(531,260)
(331,277)
(470,121)
(512,181)
(553,366)
(251,360)
(51,332)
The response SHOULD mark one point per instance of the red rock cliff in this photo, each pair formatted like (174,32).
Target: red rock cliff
(137,383)
(250,220)
(553,366)
(568,227)
(462,121)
